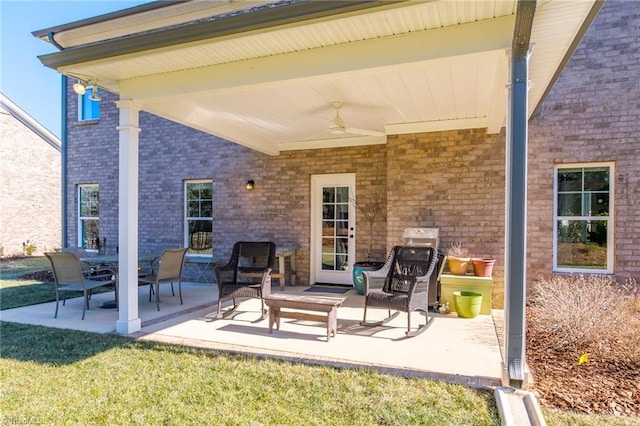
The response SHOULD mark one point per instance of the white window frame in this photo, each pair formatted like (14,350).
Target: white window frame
(610,219)
(84,218)
(86,98)
(188,218)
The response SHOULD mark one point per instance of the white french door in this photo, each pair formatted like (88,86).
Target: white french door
(332,228)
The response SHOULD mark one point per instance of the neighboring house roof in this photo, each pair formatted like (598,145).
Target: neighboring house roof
(264,74)
(8,107)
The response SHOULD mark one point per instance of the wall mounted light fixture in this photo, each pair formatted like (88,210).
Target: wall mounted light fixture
(80,87)
(250,184)
(94,94)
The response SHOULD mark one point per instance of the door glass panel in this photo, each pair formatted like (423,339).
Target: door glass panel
(342,229)
(342,195)
(335,228)
(328,195)
(329,211)
(341,262)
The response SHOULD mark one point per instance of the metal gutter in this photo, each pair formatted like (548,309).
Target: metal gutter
(106,17)
(516,197)
(216,27)
(591,16)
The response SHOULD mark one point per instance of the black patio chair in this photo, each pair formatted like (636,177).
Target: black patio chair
(247,274)
(401,285)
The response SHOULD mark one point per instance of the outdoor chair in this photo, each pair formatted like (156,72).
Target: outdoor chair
(402,285)
(70,274)
(247,274)
(168,271)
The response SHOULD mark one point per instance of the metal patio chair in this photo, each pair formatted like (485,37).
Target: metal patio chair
(168,271)
(402,285)
(70,274)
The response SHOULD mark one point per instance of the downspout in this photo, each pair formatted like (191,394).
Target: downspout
(63,150)
(516,196)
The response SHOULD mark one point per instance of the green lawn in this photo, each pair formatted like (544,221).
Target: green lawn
(53,376)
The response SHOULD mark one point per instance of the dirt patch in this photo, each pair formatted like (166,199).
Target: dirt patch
(608,383)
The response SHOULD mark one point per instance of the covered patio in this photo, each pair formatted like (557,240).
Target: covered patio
(458,350)
(345,73)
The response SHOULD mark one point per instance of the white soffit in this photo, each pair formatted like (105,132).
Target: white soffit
(411,67)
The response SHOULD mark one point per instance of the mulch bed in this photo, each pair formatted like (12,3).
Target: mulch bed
(46,276)
(608,383)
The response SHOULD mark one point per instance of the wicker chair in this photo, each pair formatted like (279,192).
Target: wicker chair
(402,285)
(247,274)
(70,274)
(169,270)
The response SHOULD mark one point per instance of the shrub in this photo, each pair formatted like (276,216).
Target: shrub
(28,248)
(580,312)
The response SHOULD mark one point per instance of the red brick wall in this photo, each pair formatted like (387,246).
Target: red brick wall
(453,181)
(592,114)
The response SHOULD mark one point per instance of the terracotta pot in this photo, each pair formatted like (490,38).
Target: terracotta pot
(458,265)
(483,267)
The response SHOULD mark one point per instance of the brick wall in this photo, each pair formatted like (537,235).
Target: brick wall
(29,189)
(450,180)
(592,114)
(277,209)
(453,181)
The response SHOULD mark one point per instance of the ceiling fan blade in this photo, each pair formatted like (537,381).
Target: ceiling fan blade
(365,132)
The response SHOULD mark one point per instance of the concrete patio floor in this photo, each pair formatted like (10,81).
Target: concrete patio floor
(452,349)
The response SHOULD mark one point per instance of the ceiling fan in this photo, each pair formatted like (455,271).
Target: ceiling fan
(338,127)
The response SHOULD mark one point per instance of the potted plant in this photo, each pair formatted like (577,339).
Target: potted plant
(370,209)
(483,266)
(458,258)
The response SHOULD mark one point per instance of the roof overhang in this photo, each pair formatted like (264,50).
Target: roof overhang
(264,74)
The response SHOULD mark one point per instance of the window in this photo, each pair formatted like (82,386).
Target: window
(198,216)
(583,222)
(88,217)
(88,109)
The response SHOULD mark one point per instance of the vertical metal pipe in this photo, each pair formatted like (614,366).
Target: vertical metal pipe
(516,196)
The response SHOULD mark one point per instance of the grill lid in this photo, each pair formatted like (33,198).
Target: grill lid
(421,237)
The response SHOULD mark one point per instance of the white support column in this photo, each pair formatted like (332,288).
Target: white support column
(128,319)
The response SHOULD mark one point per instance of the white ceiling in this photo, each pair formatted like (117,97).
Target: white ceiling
(407,67)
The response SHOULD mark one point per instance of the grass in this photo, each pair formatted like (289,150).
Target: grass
(49,375)
(53,376)
(12,269)
(15,292)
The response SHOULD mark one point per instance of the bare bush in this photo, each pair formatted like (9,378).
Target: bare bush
(577,312)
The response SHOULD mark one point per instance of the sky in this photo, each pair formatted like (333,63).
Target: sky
(23,79)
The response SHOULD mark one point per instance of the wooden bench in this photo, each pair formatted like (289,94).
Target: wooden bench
(329,305)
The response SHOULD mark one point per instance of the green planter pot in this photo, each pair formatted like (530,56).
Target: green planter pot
(467,303)
(358,268)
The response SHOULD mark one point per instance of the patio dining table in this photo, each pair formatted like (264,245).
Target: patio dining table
(111,262)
